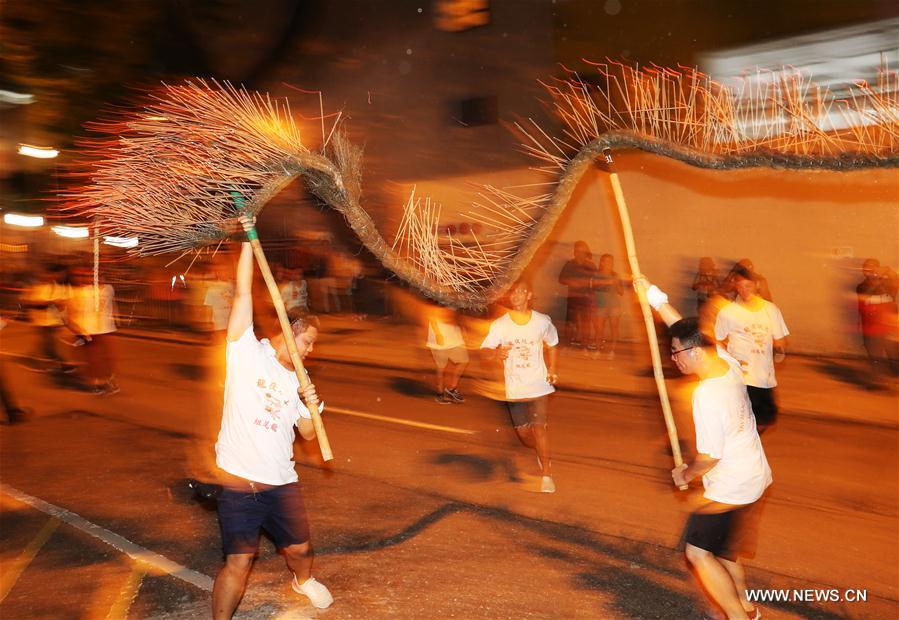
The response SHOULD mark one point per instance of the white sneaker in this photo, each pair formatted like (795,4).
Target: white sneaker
(317,593)
(547,485)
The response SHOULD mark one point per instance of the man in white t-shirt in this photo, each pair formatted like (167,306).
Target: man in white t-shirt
(447,346)
(518,339)
(753,330)
(730,460)
(254,451)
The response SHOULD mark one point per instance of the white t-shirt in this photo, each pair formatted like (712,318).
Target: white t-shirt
(725,430)
(261,408)
(750,339)
(524,368)
(452,336)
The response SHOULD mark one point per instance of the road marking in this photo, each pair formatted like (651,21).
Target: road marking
(11,574)
(383,418)
(128,593)
(133,550)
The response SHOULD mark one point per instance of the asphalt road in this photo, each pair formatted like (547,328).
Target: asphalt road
(427,511)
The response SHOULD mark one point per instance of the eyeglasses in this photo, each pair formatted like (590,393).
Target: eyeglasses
(674,353)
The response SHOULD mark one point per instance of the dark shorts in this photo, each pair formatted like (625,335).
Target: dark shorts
(730,535)
(525,412)
(578,307)
(280,511)
(763,405)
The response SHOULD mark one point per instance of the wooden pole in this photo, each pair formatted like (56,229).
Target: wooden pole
(281,310)
(295,359)
(647,312)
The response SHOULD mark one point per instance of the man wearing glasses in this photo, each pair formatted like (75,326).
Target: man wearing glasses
(729,458)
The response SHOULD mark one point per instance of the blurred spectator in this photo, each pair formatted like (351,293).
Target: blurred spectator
(607,291)
(12,413)
(447,346)
(761,283)
(46,300)
(706,283)
(294,291)
(877,315)
(90,314)
(576,274)
(218,298)
(345,270)
(325,286)
(753,330)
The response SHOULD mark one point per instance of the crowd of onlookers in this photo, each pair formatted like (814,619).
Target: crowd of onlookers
(595,291)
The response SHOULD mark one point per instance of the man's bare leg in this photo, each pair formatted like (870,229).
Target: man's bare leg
(299,560)
(526,435)
(717,581)
(440,384)
(455,373)
(739,576)
(229,584)
(541,445)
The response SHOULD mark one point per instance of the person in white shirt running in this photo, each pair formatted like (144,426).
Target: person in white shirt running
(754,332)
(447,346)
(254,451)
(518,339)
(730,460)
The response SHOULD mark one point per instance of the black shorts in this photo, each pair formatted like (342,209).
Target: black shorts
(730,535)
(763,405)
(526,412)
(279,510)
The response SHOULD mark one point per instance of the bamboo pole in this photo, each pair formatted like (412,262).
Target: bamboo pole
(295,359)
(647,312)
(281,310)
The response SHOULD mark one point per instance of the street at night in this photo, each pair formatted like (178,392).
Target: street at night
(438,520)
(476,309)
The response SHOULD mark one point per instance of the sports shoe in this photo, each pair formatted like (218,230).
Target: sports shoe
(317,593)
(443,399)
(547,485)
(455,395)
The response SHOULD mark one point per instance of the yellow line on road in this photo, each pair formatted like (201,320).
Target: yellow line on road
(136,552)
(12,573)
(383,418)
(131,587)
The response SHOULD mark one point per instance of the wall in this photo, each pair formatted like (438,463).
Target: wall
(806,231)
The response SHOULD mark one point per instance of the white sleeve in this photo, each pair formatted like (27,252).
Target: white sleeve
(721,329)
(494,338)
(550,334)
(778,327)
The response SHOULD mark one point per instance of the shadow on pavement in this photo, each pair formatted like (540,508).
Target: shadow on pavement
(846,373)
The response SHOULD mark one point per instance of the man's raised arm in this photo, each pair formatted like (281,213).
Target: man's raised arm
(242,309)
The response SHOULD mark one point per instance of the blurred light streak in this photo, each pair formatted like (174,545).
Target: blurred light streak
(25,221)
(8,96)
(14,248)
(71,232)
(121,242)
(40,152)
